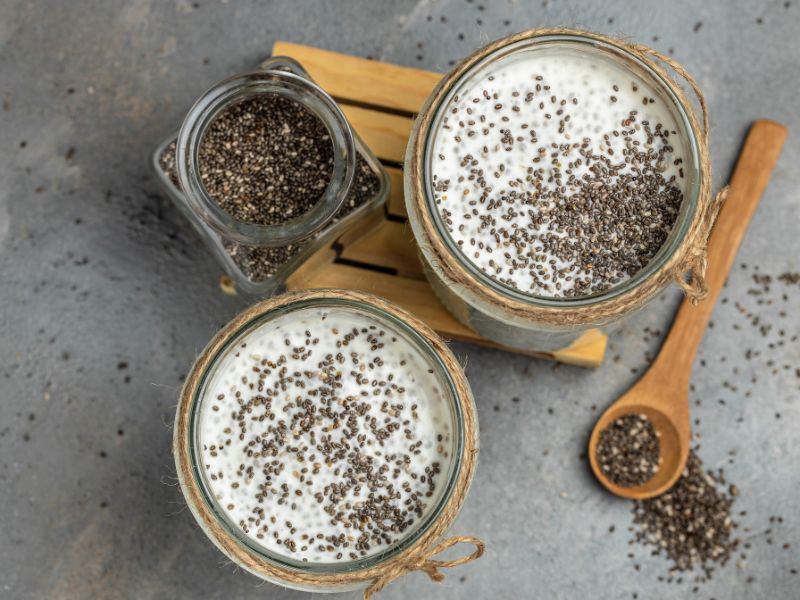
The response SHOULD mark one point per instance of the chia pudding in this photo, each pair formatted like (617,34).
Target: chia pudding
(266,159)
(324,436)
(557,171)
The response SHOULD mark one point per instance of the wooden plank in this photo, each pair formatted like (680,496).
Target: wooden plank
(386,135)
(587,351)
(390,245)
(359,229)
(361,80)
(303,275)
(417,297)
(396,204)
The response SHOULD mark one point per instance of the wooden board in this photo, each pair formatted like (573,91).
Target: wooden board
(381,256)
(358,80)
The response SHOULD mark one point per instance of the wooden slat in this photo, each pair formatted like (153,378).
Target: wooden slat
(360,228)
(396,204)
(358,79)
(417,297)
(390,245)
(322,257)
(385,134)
(587,351)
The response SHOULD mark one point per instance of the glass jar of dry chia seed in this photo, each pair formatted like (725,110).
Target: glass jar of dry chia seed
(268,170)
(556,181)
(325,440)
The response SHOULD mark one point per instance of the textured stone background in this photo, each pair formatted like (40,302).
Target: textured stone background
(106,295)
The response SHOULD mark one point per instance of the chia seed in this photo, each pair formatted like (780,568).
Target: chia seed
(266,160)
(628,450)
(691,523)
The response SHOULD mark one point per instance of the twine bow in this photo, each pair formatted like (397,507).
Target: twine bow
(424,562)
(696,259)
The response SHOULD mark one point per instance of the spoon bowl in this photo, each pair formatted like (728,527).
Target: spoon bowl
(674,451)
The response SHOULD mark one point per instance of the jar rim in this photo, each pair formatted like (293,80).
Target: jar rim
(688,207)
(251,84)
(432,349)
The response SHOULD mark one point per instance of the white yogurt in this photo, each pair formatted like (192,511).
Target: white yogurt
(278,431)
(487,132)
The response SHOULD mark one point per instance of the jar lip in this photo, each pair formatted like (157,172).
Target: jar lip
(434,351)
(247,85)
(688,207)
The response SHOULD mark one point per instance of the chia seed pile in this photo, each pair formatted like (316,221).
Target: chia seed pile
(692,523)
(266,160)
(628,450)
(557,172)
(324,436)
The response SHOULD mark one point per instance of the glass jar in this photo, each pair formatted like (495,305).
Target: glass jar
(245,250)
(325,576)
(499,311)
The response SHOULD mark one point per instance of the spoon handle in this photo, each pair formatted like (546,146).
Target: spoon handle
(750,177)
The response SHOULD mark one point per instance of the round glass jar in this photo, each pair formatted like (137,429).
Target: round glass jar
(247,86)
(238,244)
(199,394)
(499,311)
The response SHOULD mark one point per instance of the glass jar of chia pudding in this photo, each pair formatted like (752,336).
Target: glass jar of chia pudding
(324,439)
(555,182)
(261,252)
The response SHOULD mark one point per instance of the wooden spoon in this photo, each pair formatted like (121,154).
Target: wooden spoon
(662,394)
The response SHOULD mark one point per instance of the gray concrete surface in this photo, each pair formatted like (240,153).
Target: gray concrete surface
(106,295)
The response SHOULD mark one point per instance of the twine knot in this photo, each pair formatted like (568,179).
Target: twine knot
(696,260)
(424,562)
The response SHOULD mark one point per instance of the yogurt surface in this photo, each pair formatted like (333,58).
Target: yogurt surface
(324,435)
(558,171)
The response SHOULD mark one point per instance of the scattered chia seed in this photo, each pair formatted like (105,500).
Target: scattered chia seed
(628,450)
(692,523)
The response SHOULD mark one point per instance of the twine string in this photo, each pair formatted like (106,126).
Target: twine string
(696,262)
(424,562)
(676,66)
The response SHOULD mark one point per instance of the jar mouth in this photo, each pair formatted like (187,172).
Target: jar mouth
(250,85)
(688,206)
(456,402)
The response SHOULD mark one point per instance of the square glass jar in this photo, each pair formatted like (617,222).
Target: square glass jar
(227,243)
